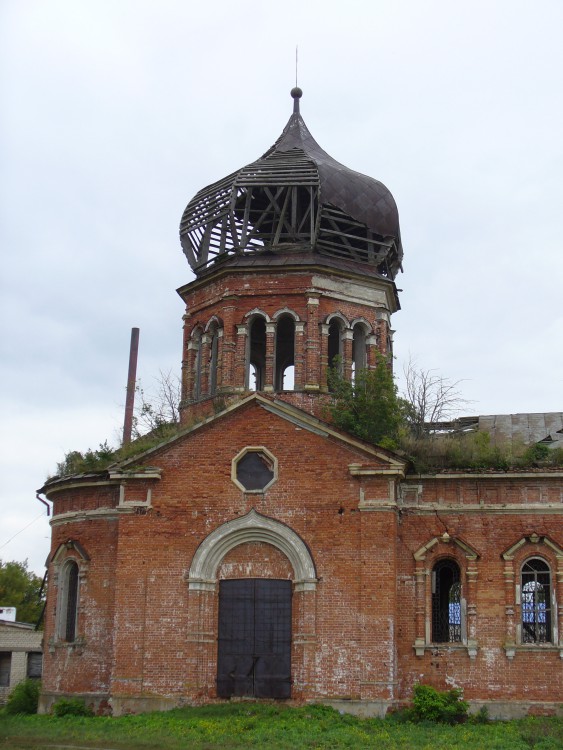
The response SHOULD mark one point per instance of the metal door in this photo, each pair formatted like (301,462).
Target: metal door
(254,656)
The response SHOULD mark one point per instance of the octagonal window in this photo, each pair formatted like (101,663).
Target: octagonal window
(254,469)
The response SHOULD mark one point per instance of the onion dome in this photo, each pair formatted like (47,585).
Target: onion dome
(295,198)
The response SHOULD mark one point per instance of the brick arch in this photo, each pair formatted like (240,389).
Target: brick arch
(363,322)
(213,321)
(253,526)
(337,316)
(256,312)
(286,311)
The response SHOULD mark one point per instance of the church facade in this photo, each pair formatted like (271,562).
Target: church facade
(263,553)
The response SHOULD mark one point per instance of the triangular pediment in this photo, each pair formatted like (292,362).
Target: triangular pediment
(289,413)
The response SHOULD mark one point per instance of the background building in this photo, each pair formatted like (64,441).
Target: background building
(20,652)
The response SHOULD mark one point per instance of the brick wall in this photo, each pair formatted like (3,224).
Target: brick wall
(150,639)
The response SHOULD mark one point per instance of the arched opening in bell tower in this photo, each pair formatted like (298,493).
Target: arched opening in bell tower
(213,333)
(197,345)
(285,353)
(359,354)
(335,331)
(256,359)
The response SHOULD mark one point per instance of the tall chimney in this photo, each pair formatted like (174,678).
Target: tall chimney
(131,380)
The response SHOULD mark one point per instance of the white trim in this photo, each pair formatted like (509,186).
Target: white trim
(253,527)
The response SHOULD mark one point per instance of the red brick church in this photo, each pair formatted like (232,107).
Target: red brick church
(263,553)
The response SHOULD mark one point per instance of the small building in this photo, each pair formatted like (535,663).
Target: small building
(21,654)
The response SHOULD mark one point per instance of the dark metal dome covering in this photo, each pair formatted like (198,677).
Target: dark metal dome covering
(294,197)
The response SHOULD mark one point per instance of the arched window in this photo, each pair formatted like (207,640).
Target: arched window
(213,358)
(446,602)
(196,339)
(536,602)
(359,360)
(334,342)
(285,353)
(68,602)
(256,362)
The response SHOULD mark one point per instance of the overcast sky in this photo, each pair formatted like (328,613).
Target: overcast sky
(115,112)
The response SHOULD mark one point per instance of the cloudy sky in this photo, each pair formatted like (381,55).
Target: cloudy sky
(114,113)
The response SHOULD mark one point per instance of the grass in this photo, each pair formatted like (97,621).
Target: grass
(254,725)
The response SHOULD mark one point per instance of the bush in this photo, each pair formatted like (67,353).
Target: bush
(368,407)
(72,707)
(24,698)
(482,716)
(430,704)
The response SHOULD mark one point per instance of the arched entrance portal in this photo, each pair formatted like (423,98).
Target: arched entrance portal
(257,613)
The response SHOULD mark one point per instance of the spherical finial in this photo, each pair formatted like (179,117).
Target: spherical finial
(296,93)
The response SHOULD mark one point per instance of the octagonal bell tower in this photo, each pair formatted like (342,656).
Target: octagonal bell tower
(295,257)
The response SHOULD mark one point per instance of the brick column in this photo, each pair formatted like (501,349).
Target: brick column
(220,339)
(378,592)
(299,357)
(313,353)
(268,384)
(372,351)
(185,366)
(201,657)
(559,593)
(323,358)
(190,369)
(471,599)
(509,607)
(347,353)
(205,362)
(304,644)
(420,607)
(239,381)
(229,348)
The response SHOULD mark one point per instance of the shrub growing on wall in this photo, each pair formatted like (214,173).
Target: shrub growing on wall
(368,407)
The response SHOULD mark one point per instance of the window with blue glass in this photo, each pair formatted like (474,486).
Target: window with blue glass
(536,602)
(446,602)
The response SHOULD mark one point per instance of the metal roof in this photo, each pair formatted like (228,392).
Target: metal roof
(294,194)
(528,429)
(522,429)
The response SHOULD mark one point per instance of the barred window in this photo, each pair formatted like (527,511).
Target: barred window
(536,602)
(446,602)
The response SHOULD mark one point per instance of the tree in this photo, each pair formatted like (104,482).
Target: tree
(429,398)
(160,408)
(157,417)
(21,588)
(368,407)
